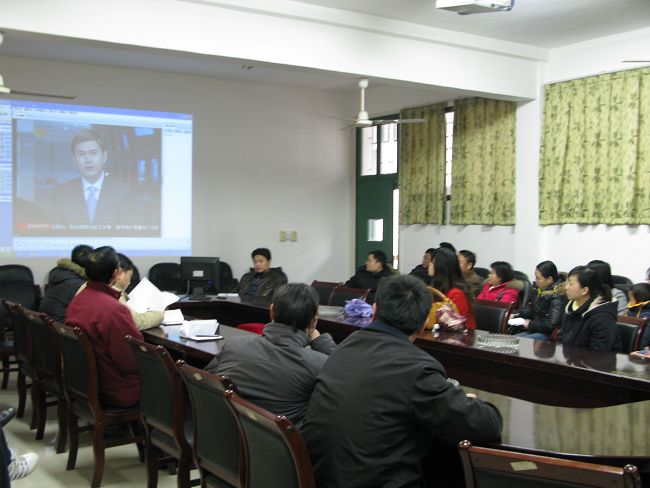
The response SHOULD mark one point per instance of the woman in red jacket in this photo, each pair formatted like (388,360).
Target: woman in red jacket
(500,285)
(448,278)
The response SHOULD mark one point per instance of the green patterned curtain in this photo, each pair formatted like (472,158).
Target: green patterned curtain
(595,152)
(483,171)
(422,166)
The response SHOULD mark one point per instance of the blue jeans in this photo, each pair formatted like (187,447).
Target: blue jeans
(534,335)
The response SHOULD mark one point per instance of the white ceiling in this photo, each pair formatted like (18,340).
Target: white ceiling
(542,23)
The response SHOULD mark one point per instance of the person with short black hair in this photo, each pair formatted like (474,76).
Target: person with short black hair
(590,316)
(605,274)
(422,270)
(278,370)
(93,197)
(98,312)
(544,314)
(467,261)
(369,275)
(639,306)
(64,281)
(262,280)
(381,402)
(500,285)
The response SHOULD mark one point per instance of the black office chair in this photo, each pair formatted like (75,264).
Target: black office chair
(226,281)
(17,285)
(631,329)
(492,316)
(621,280)
(166,276)
(342,294)
(325,289)
(498,468)
(482,272)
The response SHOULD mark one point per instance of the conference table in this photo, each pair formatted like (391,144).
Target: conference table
(536,371)
(571,402)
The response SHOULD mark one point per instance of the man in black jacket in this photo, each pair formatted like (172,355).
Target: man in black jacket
(277,371)
(64,281)
(381,402)
(375,269)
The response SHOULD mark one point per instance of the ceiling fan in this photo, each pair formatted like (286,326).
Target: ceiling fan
(363,119)
(5,90)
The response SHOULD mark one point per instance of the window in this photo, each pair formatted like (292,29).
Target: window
(379,143)
(449,142)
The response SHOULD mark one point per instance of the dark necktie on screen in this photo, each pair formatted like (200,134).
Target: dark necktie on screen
(91,203)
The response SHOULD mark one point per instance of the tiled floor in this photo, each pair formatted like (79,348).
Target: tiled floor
(122,467)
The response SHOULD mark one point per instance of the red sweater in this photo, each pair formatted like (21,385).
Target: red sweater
(97,311)
(462,304)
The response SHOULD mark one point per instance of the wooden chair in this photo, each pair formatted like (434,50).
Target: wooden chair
(163,412)
(22,348)
(82,395)
(48,375)
(631,329)
(274,448)
(497,468)
(492,316)
(341,294)
(325,289)
(218,448)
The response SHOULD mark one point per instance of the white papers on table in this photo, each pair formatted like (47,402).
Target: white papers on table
(199,327)
(173,317)
(146,296)
(227,295)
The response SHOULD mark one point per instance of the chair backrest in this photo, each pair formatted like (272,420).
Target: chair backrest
(17,285)
(526,292)
(621,280)
(166,276)
(482,272)
(325,289)
(341,294)
(46,350)
(492,316)
(631,329)
(160,379)
(226,281)
(274,448)
(22,337)
(497,468)
(217,445)
(79,366)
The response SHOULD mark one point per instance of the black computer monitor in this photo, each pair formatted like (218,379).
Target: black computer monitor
(200,274)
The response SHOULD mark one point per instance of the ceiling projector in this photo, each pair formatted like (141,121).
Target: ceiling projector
(466,7)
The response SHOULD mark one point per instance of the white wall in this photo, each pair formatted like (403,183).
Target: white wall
(528,243)
(264,161)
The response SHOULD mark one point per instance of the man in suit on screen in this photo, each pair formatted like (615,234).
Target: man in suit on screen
(94,197)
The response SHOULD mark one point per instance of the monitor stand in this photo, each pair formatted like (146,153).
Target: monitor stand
(198,294)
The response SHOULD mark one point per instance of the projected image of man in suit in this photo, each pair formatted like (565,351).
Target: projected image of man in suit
(93,197)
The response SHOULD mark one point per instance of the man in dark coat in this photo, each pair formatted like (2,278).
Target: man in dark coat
(262,280)
(64,281)
(368,276)
(381,402)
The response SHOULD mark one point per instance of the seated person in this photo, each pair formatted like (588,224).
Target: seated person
(381,402)
(590,316)
(546,309)
(262,280)
(63,283)
(605,274)
(422,270)
(500,285)
(447,278)
(638,305)
(145,320)
(368,276)
(97,311)
(278,370)
(467,261)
